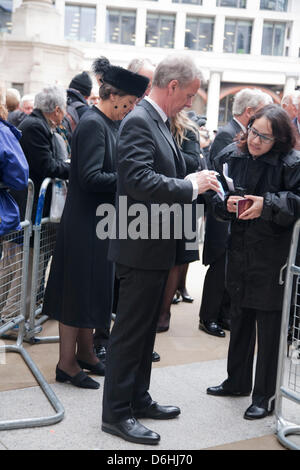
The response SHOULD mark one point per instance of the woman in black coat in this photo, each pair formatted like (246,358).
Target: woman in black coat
(265,170)
(79,292)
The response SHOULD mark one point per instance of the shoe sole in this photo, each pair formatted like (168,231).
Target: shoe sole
(234,395)
(260,417)
(127,438)
(170,416)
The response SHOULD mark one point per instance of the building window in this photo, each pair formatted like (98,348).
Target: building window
(120,28)
(199,33)
(275,5)
(80,23)
(232,3)
(237,37)
(192,2)
(5,16)
(160,30)
(273,38)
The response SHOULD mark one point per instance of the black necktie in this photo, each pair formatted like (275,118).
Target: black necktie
(167,122)
(178,159)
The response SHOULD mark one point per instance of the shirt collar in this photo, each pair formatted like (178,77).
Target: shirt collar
(240,124)
(157,108)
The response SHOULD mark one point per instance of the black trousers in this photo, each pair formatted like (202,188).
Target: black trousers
(129,354)
(215,304)
(244,323)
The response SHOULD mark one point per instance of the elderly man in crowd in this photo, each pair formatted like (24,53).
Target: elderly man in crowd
(150,170)
(19,107)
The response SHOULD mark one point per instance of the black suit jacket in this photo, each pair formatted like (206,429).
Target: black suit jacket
(216,233)
(150,171)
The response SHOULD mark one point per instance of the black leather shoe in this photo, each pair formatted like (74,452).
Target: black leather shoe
(155,357)
(133,431)
(185,296)
(80,380)
(96,369)
(176,298)
(156,411)
(163,323)
(220,391)
(100,352)
(256,412)
(212,328)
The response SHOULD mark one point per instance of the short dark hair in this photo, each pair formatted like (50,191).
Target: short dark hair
(282,129)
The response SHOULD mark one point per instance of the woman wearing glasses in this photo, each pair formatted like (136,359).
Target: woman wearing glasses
(265,170)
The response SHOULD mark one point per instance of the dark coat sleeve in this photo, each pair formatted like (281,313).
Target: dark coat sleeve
(137,152)
(221,141)
(91,147)
(190,150)
(39,153)
(283,207)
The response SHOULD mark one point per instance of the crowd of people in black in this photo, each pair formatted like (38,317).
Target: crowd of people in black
(137,140)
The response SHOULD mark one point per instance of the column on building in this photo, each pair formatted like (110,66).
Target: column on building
(219,34)
(141,20)
(257,35)
(290,83)
(101,22)
(213,99)
(179,30)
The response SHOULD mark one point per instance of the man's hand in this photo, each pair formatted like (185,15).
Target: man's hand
(206,179)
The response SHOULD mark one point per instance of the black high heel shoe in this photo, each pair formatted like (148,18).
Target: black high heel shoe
(185,296)
(96,369)
(79,380)
(176,298)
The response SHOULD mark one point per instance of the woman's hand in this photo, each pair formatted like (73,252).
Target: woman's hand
(255,210)
(232,203)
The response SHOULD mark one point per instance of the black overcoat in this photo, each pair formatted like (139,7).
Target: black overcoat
(259,248)
(80,285)
(216,232)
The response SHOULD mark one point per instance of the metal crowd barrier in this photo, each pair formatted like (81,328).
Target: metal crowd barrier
(287,399)
(44,231)
(14,265)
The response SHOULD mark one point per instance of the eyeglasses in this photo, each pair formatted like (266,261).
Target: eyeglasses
(263,139)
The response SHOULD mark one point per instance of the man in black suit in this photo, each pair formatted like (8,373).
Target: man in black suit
(215,306)
(151,172)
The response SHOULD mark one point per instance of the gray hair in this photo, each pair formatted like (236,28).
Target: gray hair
(50,97)
(293,96)
(27,98)
(181,68)
(137,64)
(249,98)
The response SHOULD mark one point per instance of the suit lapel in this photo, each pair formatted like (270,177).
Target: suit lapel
(179,161)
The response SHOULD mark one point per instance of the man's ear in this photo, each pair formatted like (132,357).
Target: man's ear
(173,84)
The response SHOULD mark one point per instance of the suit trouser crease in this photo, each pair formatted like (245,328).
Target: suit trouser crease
(131,343)
(215,299)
